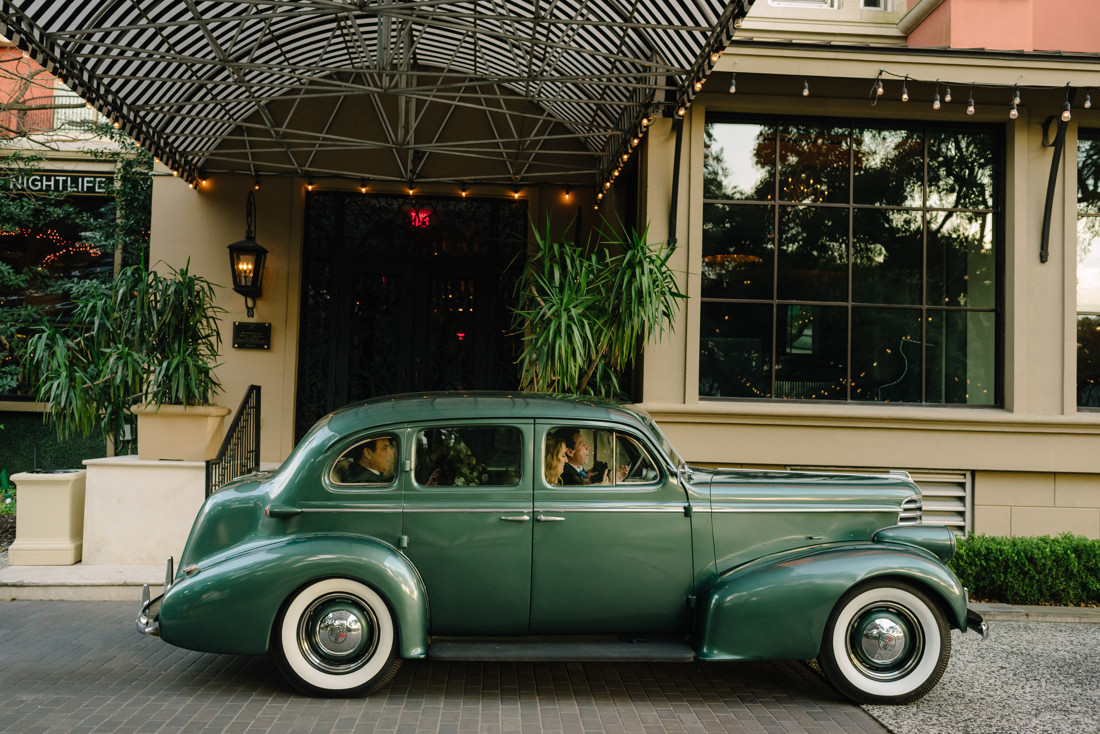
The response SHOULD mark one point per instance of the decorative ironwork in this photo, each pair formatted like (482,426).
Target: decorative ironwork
(240,451)
(390,306)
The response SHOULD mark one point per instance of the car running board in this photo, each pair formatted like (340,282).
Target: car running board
(561,649)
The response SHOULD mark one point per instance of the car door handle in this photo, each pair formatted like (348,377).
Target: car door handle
(516,518)
(548,518)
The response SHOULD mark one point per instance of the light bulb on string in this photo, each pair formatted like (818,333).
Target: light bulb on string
(905,90)
(936,101)
(733,83)
(1088,101)
(1015,94)
(947,96)
(879,91)
(805,88)
(1067,113)
(1012,111)
(970,102)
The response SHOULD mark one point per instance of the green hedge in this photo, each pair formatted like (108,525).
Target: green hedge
(1062,570)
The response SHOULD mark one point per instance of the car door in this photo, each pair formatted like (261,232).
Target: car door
(467,523)
(612,556)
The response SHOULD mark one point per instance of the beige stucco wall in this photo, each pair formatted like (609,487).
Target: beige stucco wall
(1020,452)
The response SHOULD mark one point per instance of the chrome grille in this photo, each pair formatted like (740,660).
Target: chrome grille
(911,510)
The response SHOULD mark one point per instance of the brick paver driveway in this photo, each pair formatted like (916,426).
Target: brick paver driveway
(81,667)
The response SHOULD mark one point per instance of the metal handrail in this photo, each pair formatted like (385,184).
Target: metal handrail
(240,451)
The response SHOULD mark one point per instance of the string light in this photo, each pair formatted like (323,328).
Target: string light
(1088,101)
(256,184)
(309,185)
(363,186)
(699,85)
(879,91)
(567,194)
(733,83)
(462,190)
(905,90)
(1066,107)
(947,96)
(970,102)
(1015,94)
(1012,111)
(936,101)
(805,88)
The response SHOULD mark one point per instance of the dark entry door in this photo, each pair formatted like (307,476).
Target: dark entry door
(402,296)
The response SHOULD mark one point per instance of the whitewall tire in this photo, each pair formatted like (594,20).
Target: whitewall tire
(885,643)
(336,637)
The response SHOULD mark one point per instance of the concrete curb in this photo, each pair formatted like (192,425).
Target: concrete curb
(1026,613)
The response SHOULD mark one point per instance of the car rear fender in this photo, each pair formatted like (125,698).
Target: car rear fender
(232,606)
(776,608)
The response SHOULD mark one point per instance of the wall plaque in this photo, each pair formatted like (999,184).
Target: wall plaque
(251,335)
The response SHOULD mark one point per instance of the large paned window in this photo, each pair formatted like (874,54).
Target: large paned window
(851,262)
(1088,269)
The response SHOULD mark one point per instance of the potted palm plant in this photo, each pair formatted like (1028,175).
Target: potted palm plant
(584,313)
(145,344)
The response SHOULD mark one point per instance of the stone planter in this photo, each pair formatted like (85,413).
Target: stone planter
(180,433)
(49,528)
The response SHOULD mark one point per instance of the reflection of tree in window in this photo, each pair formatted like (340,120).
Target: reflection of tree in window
(900,220)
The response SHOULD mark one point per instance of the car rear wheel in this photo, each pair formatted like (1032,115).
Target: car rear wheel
(885,643)
(336,637)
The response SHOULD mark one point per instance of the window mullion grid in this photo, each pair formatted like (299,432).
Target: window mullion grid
(924,275)
(851,259)
(775,261)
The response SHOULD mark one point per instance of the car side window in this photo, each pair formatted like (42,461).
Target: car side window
(468,456)
(582,455)
(372,461)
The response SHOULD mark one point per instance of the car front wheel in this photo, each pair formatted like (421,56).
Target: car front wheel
(885,643)
(336,637)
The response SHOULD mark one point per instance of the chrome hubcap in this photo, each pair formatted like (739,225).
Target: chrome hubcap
(885,642)
(338,633)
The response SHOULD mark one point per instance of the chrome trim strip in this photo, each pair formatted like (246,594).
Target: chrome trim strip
(746,510)
(350,509)
(470,510)
(678,509)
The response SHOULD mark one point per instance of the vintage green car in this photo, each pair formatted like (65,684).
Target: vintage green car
(439,526)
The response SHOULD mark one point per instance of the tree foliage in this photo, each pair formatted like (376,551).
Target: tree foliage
(585,313)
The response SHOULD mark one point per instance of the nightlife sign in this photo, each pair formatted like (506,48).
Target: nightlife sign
(53,182)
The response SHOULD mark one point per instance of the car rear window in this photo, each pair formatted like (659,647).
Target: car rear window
(468,456)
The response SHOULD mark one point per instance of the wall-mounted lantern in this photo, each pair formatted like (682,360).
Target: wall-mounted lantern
(247,260)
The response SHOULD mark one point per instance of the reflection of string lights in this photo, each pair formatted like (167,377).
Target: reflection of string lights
(731,258)
(62,247)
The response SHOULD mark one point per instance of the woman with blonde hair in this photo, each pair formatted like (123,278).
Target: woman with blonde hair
(555,459)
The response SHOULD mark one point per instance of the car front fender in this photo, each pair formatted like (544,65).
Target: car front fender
(776,608)
(231,606)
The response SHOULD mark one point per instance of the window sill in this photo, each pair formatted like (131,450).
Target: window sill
(719,411)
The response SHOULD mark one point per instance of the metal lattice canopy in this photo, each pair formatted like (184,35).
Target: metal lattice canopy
(507,91)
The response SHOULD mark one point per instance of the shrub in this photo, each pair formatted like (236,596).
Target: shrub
(1062,570)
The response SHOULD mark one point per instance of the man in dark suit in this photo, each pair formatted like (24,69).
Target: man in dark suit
(375,463)
(576,456)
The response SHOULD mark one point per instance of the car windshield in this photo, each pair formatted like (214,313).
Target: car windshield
(664,444)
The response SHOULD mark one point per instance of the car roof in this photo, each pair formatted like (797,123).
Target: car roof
(464,405)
